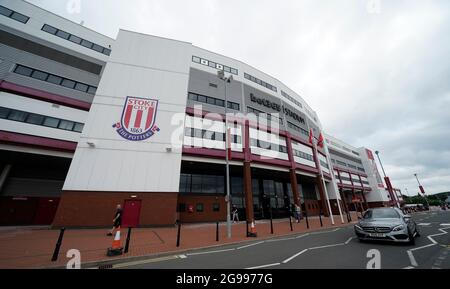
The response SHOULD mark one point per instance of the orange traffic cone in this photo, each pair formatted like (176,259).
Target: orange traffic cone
(116,248)
(253,230)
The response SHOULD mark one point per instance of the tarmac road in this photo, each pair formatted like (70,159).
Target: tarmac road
(335,248)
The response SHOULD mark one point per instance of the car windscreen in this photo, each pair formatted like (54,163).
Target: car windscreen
(381,214)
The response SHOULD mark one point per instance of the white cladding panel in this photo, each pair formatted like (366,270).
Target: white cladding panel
(140,66)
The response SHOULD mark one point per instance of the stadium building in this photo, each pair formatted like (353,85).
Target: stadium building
(87,122)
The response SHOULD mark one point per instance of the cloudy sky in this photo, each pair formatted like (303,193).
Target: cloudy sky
(377,72)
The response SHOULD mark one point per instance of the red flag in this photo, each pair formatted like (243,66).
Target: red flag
(311,136)
(229,144)
(320,142)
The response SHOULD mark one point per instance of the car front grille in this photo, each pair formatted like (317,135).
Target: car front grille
(377,229)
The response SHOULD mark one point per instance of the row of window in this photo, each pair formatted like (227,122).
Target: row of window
(75,39)
(37,119)
(199,207)
(298,129)
(269,116)
(210,135)
(291,98)
(54,79)
(214,65)
(303,155)
(13,15)
(268,145)
(202,184)
(347,165)
(260,82)
(324,164)
(213,101)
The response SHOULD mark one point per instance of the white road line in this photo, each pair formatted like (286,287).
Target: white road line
(409,267)
(210,252)
(326,246)
(412,259)
(423,247)
(182,256)
(348,241)
(263,266)
(324,232)
(284,239)
(424,224)
(301,236)
(445,224)
(295,256)
(443,233)
(250,245)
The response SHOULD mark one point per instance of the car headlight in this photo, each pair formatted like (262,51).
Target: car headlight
(398,228)
(358,228)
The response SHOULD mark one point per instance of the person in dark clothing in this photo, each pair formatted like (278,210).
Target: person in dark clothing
(117,221)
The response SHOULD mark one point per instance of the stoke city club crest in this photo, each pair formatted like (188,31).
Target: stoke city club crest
(138,119)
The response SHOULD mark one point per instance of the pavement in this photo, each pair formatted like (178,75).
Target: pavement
(335,247)
(33,247)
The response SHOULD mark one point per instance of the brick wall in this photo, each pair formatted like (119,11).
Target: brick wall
(208,214)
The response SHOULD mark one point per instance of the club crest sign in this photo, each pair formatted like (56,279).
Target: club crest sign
(138,119)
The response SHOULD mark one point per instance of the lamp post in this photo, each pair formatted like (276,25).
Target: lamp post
(422,190)
(387,181)
(226,80)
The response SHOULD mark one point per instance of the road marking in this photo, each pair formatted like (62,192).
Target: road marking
(254,244)
(295,256)
(326,246)
(324,232)
(409,267)
(443,233)
(182,256)
(424,224)
(412,259)
(445,224)
(210,252)
(284,239)
(301,236)
(348,241)
(135,263)
(423,247)
(263,266)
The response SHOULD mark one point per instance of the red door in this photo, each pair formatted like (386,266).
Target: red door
(46,211)
(131,213)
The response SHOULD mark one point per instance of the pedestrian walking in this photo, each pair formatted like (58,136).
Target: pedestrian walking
(235,214)
(298,213)
(117,221)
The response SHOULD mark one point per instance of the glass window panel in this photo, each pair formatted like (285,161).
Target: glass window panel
(92,90)
(65,124)
(196,183)
(75,39)
(49,29)
(22,70)
(4,112)
(234,71)
(202,98)
(97,48)
(220,102)
(62,34)
(68,83)
(196,59)
(107,51)
(39,75)
(51,122)
(54,79)
(211,100)
(200,207)
(5,11)
(20,17)
(81,87)
(86,43)
(78,127)
(35,119)
(17,115)
(192,96)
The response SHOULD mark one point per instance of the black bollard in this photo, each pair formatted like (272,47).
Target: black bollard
(178,235)
(217,232)
(271,222)
(58,245)
(307,221)
(320,218)
(248,235)
(127,243)
(290,223)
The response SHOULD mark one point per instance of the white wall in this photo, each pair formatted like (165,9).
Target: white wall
(141,66)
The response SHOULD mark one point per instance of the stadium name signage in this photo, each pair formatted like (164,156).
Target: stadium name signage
(277,107)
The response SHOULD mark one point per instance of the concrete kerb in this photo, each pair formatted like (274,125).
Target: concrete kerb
(109,264)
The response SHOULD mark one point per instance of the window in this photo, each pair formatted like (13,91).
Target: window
(260,82)
(199,208)
(17,115)
(54,79)
(35,119)
(13,15)
(49,29)
(39,75)
(81,87)
(78,127)
(216,207)
(182,207)
(51,122)
(220,102)
(62,34)
(68,83)
(22,70)
(75,39)
(66,125)
(92,90)
(4,112)
(233,105)
(214,65)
